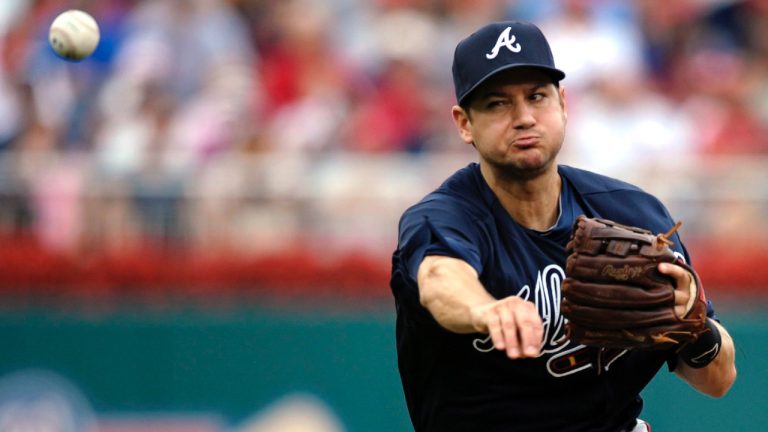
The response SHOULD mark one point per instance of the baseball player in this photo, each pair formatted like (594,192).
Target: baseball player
(480,261)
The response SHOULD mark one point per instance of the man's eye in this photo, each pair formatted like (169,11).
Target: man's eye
(495,104)
(537,96)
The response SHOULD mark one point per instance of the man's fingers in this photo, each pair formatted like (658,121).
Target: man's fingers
(515,327)
(673,270)
(531,334)
(681,299)
(530,330)
(522,328)
(685,290)
(509,327)
(495,330)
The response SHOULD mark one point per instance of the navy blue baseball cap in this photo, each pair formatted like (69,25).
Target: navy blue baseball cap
(500,46)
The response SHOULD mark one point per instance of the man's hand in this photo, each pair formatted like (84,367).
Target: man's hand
(685,287)
(514,325)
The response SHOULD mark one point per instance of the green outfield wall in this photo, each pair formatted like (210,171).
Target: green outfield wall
(233,363)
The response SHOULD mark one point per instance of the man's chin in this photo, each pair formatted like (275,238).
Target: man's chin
(525,171)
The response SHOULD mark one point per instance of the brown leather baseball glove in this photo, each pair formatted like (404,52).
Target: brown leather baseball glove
(615,297)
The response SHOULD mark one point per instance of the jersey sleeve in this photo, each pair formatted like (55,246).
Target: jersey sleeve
(440,227)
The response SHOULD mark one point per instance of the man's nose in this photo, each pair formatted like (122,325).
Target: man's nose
(522,116)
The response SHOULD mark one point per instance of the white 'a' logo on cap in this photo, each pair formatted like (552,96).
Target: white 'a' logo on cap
(504,40)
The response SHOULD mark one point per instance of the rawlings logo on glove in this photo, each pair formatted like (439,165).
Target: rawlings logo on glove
(624,273)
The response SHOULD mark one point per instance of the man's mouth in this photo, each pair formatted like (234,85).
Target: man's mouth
(526,141)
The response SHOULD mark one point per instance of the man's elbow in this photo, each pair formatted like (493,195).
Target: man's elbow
(726,383)
(721,387)
(430,273)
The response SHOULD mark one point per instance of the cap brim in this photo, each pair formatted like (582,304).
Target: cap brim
(556,74)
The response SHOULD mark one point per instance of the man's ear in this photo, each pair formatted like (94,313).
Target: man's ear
(463,123)
(563,102)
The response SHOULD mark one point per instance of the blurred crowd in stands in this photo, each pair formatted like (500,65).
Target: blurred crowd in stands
(241,123)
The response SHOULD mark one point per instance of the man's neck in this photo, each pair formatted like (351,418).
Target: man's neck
(532,202)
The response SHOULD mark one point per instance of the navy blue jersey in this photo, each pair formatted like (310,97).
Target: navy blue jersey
(459,382)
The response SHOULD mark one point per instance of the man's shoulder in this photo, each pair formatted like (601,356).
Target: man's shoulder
(588,182)
(460,193)
(618,200)
(460,189)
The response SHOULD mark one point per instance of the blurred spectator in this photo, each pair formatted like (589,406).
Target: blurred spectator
(391,117)
(667,28)
(623,124)
(304,81)
(720,86)
(592,45)
(239,124)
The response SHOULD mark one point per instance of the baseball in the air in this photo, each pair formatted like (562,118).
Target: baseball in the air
(74,35)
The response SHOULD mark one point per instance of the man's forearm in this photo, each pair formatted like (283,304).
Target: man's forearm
(449,289)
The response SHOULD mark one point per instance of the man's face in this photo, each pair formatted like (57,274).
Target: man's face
(516,120)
